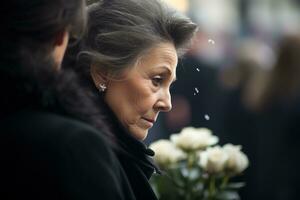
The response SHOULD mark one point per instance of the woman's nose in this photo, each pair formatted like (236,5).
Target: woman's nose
(164,103)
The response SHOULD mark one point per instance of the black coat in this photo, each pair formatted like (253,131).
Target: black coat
(48,152)
(48,156)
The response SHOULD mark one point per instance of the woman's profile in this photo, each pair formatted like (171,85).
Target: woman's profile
(128,60)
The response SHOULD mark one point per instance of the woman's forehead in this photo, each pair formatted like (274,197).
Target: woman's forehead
(162,52)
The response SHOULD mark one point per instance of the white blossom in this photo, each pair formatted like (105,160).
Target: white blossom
(194,138)
(213,159)
(166,153)
(237,160)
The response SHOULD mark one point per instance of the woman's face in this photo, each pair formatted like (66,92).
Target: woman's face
(145,91)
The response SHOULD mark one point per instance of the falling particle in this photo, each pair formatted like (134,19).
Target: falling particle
(206,117)
(198,69)
(210,41)
(196,89)
(194,94)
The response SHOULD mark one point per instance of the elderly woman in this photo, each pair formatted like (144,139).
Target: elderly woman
(128,61)
(46,152)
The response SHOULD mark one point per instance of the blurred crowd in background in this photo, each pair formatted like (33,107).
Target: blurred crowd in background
(241,79)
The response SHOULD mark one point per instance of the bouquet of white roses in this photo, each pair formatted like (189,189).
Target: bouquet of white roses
(195,167)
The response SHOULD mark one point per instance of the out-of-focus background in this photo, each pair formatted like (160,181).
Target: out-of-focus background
(241,79)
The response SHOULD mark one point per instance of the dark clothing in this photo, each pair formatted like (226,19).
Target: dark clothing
(48,150)
(136,165)
(47,156)
(270,138)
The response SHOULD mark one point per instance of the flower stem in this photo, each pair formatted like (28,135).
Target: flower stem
(190,164)
(191,160)
(224,182)
(212,188)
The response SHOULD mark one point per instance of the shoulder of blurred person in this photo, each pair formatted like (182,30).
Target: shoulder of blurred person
(49,152)
(48,156)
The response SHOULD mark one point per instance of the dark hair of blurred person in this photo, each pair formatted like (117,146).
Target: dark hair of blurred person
(128,61)
(283,83)
(34,35)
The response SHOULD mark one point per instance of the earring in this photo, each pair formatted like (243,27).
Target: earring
(102,87)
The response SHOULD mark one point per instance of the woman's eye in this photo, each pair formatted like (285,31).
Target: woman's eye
(157,81)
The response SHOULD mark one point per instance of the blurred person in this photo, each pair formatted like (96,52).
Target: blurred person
(282,84)
(46,152)
(278,136)
(243,83)
(254,61)
(262,115)
(128,62)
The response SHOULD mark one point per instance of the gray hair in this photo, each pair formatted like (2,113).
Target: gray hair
(120,31)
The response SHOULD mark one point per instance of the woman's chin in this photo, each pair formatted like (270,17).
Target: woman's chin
(139,133)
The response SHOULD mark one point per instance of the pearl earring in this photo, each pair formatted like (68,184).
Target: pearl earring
(102,87)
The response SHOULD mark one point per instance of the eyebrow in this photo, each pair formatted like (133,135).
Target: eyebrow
(169,72)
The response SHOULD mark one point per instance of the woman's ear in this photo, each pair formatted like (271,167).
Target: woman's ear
(60,45)
(99,77)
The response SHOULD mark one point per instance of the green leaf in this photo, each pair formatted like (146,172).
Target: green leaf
(228,195)
(235,186)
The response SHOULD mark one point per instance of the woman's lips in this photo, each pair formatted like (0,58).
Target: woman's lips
(148,122)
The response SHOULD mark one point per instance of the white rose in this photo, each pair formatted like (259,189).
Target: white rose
(213,159)
(237,160)
(194,138)
(166,153)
